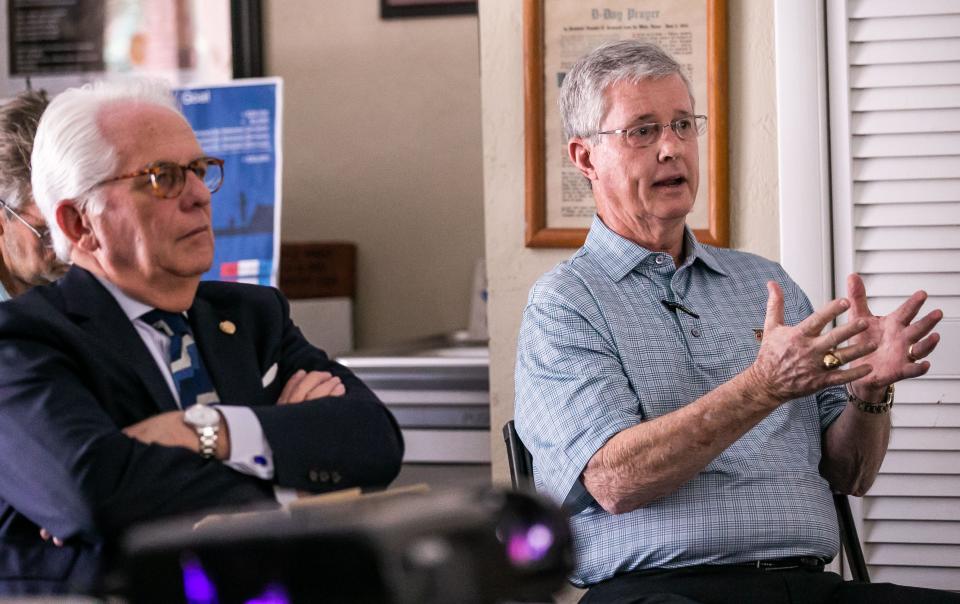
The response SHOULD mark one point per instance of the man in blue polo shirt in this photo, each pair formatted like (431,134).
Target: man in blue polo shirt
(680,399)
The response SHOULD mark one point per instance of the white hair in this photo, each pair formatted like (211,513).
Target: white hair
(70,154)
(582,101)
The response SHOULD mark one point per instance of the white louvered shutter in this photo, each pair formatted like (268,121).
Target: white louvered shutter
(894,82)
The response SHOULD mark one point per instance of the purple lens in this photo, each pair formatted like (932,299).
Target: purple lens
(197,586)
(530,545)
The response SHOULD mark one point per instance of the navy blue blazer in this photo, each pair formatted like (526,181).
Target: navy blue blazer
(74,372)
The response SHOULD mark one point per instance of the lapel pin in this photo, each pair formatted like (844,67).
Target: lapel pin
(228,327)
(758,334)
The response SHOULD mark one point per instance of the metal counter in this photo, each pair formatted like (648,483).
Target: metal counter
(439,390)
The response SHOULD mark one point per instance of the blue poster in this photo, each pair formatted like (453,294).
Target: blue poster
(239,122)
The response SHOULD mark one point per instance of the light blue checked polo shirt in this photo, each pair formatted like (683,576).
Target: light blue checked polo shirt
(599,353)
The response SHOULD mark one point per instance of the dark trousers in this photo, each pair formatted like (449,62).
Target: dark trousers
(735,585)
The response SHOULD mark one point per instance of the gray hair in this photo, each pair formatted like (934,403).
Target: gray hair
(18,126)
(582,102)
(71,155)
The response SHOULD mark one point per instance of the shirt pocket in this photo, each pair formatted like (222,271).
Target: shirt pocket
(728,349)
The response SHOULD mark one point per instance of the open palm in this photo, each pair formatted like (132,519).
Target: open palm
(901,342)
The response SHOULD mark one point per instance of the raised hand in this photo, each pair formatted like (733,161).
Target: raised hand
(900,342)
(790,363)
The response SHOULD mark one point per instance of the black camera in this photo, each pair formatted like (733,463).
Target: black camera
(465,546)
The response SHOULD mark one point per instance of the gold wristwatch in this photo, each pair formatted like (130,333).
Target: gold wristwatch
(882,407)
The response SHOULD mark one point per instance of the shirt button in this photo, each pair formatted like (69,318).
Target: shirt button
(659,259)
(695,332)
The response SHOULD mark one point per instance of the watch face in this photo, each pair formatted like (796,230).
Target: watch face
(201,415)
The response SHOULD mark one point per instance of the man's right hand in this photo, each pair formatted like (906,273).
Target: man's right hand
(305,386)
(46,536)
(790,361)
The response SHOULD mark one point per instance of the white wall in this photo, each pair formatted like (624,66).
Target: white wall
(512,268)
(382,148)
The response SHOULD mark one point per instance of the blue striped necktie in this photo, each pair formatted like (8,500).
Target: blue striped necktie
(189,374)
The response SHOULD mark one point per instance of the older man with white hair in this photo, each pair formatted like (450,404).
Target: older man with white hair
(129,390)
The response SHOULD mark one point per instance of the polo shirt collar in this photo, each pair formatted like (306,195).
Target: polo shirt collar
(618,256)
(701,252)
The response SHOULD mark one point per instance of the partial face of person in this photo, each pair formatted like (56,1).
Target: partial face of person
(27,256)
(145,241)
(636,187)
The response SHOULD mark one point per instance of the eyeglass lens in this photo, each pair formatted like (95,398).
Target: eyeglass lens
(685,128)
(45,238)
(168,179)
(42,232)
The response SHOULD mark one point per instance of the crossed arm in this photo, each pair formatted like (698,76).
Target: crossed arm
(97,481)
(77,475)
(169,430)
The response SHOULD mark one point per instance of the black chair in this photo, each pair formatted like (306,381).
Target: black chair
(521,475)
(850,540)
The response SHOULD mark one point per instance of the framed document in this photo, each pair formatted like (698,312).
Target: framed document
(559,202)
(393,9)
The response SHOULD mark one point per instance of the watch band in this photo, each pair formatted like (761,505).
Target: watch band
(205,421)
(208,440)
(882,407)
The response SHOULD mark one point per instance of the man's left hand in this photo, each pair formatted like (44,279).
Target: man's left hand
(307,385)
(901,342)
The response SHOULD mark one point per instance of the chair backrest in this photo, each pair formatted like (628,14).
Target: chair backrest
(850,539)
(521,463)
(521,475)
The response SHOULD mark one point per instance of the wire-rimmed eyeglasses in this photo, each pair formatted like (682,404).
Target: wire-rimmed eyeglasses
(644,135)
(167,179)
(42,232)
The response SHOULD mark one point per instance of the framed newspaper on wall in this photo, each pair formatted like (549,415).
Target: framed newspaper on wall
(559,202)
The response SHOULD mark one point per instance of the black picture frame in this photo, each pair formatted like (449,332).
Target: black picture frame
(391,9)
(246,24)
(247,50)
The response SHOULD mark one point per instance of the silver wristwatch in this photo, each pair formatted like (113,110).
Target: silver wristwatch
(206,421)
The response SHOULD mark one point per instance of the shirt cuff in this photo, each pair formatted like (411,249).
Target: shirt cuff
(250,453)
(285,495)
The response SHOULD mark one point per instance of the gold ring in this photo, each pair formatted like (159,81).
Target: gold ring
(910,356)
(831,361)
